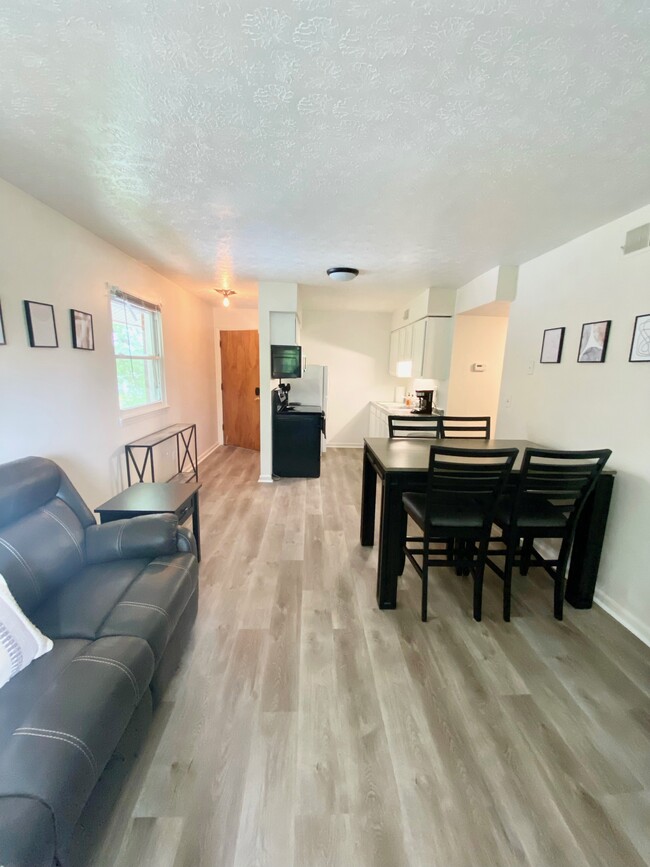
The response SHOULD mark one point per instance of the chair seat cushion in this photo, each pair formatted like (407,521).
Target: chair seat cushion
(450,511)
(60,747)
(535,512)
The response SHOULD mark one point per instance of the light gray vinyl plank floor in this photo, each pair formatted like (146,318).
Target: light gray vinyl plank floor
(305,728)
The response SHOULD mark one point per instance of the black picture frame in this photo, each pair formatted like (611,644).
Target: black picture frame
(39,324)
(642,321)
(3,336)
(555,352)
(592,348)
(82,337)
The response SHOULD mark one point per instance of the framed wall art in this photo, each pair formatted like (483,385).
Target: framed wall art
(640,348)
(83,336)
(552,346)
(593,342)
(41,325)
(3,339)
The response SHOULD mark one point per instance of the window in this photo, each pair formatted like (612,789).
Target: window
(137,341)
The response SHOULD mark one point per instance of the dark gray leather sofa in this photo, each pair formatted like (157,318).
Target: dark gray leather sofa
(119,601)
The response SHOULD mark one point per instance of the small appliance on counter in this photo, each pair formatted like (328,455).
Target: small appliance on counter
(424,391)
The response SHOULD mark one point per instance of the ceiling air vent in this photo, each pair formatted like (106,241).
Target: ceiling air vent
(637,239)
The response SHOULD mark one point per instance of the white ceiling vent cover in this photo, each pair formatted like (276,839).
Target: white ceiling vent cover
(637,239)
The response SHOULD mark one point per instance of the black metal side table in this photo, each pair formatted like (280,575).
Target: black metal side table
(139,453)
(154,498)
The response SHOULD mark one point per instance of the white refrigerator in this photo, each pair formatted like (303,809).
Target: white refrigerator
(311,390)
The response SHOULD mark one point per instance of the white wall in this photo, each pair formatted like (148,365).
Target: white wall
(499,284)
(476,339)
(228,319)
(62,403)
(571,405)
(354,346)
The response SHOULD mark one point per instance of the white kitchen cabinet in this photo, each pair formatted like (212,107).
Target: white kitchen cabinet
(285,329)
(437,347)
(393,357)
(425,345)
(418,335)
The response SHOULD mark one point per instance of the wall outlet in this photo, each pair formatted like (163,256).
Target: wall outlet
(531,368)
(508,402)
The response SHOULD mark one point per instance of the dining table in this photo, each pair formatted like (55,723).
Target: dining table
(401,464)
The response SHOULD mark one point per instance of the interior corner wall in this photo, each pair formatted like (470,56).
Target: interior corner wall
(62,403)
(477,339)
(355,348)
(228,319)
(582,406)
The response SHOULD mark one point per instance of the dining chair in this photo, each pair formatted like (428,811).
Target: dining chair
(463,487)
(551,492)
(477,426)
(413,426)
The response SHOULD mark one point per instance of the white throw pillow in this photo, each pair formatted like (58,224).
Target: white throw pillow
(20,641)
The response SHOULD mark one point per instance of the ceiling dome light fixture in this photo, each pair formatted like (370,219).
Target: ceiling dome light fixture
(226,295)
(342,275)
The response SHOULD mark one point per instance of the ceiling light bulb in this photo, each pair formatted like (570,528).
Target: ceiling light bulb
(226,301)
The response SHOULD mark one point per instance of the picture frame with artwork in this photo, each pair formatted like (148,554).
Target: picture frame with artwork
(593,341)
(552,343)
(3,338)
(640,347)
(41,325)
(83,335)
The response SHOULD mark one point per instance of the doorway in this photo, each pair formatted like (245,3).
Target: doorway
(240,388)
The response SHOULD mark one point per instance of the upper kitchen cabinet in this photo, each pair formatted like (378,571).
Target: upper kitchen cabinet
(422,349)
(285,329)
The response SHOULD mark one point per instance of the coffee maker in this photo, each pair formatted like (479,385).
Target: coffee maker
(424,389)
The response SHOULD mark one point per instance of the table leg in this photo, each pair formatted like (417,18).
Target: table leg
(588,545)
(368,500)
(389,543)
(196,526)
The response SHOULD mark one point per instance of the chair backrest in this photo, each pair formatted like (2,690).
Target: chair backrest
(478,474)
(477,426)
(565,478)
(413,426)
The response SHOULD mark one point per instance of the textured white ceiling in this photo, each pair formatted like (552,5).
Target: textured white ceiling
(422,141)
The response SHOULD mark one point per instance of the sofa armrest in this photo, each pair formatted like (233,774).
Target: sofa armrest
(185,541)
(145,536)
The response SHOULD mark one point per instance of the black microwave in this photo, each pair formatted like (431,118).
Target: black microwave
(286,362)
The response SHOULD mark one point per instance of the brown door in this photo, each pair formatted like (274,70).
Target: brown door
(240,380)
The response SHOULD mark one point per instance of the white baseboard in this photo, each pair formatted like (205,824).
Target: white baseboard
(344,445)
(265,480)
(626,618)
(207,453)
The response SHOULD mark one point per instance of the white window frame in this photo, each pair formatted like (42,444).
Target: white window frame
(159,356)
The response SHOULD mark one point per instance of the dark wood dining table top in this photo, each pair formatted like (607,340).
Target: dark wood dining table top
(411,454)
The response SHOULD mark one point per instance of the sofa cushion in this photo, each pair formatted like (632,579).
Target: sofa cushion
(78,609)
(26,833)
(61,746)
(22,691)
(38,502)
(154,602)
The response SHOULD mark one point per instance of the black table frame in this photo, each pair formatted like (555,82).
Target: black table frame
(185,436)
(189,506)
(587,545)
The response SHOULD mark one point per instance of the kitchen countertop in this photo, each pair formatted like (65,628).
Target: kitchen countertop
(399,408)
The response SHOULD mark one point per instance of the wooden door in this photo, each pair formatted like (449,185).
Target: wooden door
(240,380)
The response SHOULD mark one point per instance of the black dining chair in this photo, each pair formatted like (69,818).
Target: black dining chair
(463,487)
(552,489)
(413,426)
(467,426)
